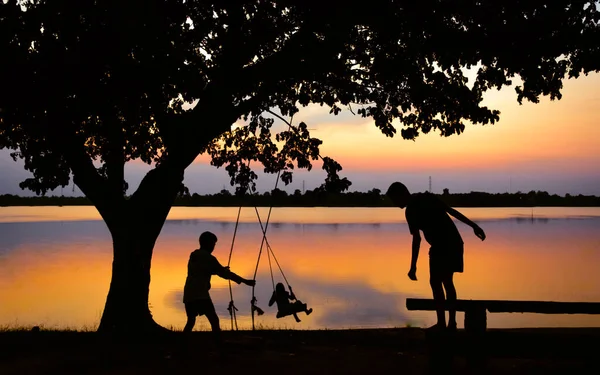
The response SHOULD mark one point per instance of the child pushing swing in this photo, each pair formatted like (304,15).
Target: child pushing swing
(284,307)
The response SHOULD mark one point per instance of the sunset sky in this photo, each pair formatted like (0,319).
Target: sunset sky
(551,146)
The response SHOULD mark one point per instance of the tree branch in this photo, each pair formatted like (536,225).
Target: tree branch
(85,175)
(232,80)
(289,124)
(115,164)
(91,183)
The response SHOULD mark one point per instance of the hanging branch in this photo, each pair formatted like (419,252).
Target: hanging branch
(333,182)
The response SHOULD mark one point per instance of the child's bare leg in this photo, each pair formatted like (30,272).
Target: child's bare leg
(191,321)
(438,296)
(215,325)
(296,317)
(187,330)
(304,308)
(451,298)
(190,313)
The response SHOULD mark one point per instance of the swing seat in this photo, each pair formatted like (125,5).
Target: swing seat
(292,308)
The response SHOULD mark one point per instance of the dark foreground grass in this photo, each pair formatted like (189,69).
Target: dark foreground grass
(377,351)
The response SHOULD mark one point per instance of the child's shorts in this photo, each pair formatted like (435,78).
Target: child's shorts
(200,307)
(444,260)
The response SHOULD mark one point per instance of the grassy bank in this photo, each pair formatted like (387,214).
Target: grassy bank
(373,351)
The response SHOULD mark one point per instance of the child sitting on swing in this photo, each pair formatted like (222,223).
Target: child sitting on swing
(284,307)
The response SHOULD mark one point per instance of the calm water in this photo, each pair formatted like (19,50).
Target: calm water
(349,264)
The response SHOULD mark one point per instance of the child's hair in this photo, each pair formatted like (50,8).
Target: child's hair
(397,189)
(207,239)
(279,288)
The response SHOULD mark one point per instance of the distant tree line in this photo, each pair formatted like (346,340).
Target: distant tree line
(518,199)
(322,198)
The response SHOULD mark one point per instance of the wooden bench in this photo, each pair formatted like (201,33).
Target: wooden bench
(475,310)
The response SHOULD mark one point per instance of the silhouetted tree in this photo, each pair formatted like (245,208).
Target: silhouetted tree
(90,85)
(376,192)
(184,192)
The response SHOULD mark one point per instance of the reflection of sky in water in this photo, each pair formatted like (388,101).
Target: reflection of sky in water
(336,305)
(354,275)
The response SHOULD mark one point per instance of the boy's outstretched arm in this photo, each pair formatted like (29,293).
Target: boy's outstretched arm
(225,273)
(478,231)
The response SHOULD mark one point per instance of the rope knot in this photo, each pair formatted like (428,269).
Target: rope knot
(231,308)
(255,308)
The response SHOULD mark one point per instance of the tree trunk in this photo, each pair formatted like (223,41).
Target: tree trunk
(134,227)
(126,308)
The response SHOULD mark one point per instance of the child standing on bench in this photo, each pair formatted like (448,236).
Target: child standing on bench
(425,212)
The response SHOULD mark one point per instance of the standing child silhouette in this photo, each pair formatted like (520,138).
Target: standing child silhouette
(201,266)
(426,213)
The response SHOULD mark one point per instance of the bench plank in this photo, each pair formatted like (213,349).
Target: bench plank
(496,306)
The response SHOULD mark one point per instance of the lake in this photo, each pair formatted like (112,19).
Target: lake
(349,264)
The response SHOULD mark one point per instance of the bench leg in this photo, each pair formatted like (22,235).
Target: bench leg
(475,327)
(476,319)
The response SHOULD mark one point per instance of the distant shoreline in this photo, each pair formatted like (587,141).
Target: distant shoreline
(316,198)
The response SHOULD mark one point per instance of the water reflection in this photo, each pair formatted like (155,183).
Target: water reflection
(306,215)
(46,234)
(354,274)
(336,305)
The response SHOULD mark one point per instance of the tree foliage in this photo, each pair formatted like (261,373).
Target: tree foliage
(100,83)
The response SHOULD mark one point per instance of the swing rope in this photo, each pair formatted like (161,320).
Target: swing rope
(232,309)
(262,243)
(270,267)
(270,250)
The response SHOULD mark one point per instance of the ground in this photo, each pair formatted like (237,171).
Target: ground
(376,351)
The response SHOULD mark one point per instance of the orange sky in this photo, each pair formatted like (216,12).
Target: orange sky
(546,146)
(566,130)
